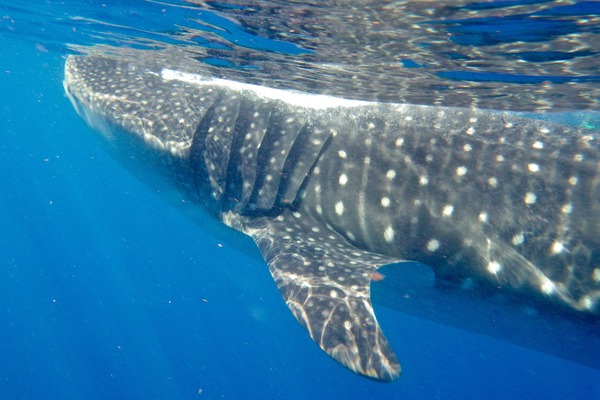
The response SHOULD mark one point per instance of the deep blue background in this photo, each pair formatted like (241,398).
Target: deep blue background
(108,292)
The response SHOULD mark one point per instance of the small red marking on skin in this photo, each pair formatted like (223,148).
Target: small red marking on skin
(376,276)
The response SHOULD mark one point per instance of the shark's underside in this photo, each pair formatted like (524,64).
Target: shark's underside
(331,189)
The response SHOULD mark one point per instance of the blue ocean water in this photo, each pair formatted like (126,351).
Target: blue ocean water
(106,291)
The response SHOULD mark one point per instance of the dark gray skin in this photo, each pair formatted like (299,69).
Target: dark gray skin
(332,189)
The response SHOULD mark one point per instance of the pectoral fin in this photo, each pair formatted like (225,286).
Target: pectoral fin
(326,283)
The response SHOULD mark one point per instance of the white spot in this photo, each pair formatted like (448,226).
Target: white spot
(408,118)
(296,214)
(530,198)
(558,247)
(339,208)
(472,120)
(343,179)
(342,154)
(533,167)
(385,201)
(573,181)
(494,267)
(348,325)
(587,302)
(493,182)
(319,209)
(538,145)
(518,239)
(567,208)
(483,217)
(461,171)
(423,180)
(370,125)
(433,245)
(470,131)
(333,294)
(388,234)
(447,210)
(467,147)
(399,142)
(544,130)
(578,157)
(596,274)
(499,158)
(367,160)
(547,286)
(391,174)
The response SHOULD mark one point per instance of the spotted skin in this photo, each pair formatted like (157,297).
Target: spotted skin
(331,189)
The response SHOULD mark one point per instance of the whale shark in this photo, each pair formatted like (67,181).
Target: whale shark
(331,189)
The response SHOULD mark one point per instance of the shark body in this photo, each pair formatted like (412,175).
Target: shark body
(331,189)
